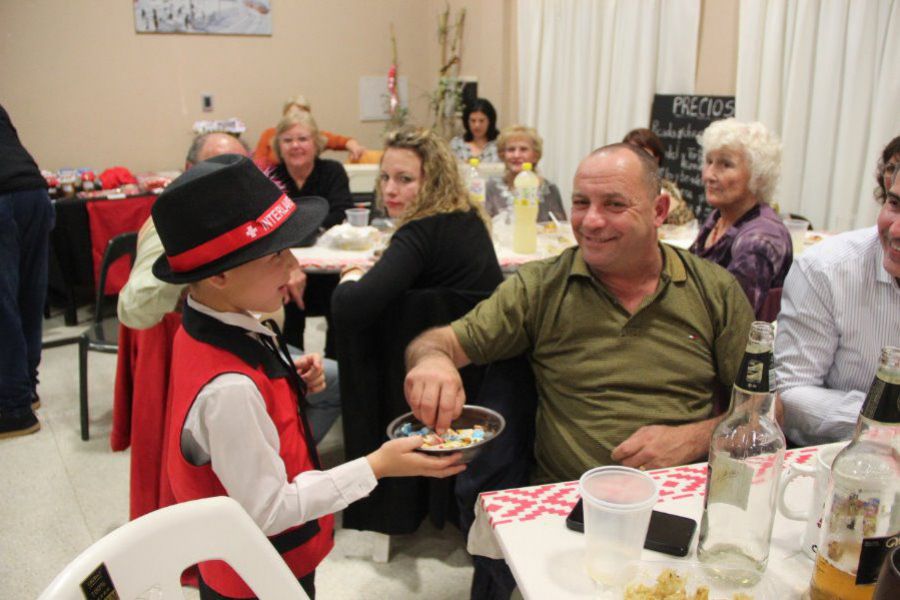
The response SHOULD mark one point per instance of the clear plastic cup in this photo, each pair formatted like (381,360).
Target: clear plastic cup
(797,229)
(357,217)
(617,506)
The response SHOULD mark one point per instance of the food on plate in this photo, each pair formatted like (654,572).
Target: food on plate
(450,440)
(671,586)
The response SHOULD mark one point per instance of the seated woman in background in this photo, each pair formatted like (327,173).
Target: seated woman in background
(741,165)
(264,156)
(480,122)
(301,173)
(518,145)
(679,212)
(442,238)
(299,170)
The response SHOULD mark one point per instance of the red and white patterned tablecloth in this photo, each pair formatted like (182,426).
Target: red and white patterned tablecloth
(526,504)
(526,527)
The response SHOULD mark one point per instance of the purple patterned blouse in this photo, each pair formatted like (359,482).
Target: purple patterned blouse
(756,250)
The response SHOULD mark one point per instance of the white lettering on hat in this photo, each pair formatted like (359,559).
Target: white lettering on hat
(277,213)
(250,231)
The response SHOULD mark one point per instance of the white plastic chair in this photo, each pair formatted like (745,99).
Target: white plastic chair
(145,558)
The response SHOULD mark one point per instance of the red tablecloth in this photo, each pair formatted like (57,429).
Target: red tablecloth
(107,219)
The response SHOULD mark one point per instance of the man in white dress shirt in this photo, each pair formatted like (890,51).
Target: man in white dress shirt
(840,306)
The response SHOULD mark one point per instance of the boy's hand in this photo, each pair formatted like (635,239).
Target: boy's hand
(398,458)
(309,367)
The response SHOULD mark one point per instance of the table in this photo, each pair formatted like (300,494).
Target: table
(322,258)
(526,527)
(78,240)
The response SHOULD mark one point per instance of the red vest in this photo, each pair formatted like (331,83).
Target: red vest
(195,363)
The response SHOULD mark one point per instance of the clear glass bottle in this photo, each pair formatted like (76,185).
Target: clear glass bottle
(745,457)
(861,516)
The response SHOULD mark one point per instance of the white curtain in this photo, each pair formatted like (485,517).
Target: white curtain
(588,70)
(824,75)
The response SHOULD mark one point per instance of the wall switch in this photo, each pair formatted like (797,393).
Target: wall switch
(207,102)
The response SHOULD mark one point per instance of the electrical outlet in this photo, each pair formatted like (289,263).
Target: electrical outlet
(207,102)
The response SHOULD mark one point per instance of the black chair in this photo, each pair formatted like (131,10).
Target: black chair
(102,334)
(372,371)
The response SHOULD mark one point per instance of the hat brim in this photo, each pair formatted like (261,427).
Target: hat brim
(303,222)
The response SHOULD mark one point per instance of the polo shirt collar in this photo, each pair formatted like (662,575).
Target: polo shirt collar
(673,267)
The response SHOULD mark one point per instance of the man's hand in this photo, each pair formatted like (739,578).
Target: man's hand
(296,285)
(658,446)
(310,369)
(355,149)
(398,458)
(434,391)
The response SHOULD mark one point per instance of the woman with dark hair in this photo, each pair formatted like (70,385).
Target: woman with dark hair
(679,212)
(480,121)
(888,163)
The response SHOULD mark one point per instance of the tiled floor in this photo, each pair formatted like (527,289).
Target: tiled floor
(59,494)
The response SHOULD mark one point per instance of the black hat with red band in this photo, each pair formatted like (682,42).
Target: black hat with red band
(225,212)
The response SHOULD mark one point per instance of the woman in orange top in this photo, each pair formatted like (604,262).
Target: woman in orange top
(264,155)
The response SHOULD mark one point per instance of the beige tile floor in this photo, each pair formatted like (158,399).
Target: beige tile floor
(59,494)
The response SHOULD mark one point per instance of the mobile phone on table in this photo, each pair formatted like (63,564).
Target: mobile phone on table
(667,533)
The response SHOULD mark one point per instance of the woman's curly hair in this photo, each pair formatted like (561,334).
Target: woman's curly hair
(442,189)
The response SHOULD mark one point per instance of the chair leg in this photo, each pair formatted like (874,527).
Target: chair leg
(381,547)
(83,387)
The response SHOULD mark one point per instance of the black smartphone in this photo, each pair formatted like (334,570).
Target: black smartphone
(667,533)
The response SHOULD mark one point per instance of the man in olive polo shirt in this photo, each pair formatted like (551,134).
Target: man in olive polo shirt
(630,340)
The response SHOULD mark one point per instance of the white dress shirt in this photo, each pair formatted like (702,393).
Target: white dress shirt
(839,307)
(228,425)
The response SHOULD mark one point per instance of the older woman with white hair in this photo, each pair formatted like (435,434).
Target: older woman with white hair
(741,165)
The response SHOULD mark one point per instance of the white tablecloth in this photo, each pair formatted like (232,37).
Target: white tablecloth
(526,527)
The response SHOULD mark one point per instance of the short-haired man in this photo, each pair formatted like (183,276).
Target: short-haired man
(145,300)
(630,340)
(840,305)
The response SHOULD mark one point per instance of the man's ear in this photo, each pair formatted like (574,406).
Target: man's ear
(661,208)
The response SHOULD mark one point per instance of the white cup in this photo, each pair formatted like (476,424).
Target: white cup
(617,506)
(797,229)
(820,471)
(357,217)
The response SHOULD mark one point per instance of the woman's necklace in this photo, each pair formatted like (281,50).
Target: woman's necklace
(717,232)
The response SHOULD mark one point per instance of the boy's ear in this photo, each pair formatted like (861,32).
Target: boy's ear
(218,281)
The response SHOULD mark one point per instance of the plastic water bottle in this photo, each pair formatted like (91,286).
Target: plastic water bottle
(525,211)
(475,183)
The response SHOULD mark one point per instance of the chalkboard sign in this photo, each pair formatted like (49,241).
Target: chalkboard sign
(678,120)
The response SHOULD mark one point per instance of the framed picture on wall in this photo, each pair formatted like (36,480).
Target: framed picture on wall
(234,17)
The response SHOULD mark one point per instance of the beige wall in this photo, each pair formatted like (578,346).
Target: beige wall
(717,48)
(85,90)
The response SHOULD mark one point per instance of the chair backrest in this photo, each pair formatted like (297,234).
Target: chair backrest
(771,306)
(124,244)
(150,553)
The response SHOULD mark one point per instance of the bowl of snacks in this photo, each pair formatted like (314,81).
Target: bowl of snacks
(469,433)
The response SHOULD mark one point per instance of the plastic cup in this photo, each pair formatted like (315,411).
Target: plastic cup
(357,217)
(617,506)
(797,229)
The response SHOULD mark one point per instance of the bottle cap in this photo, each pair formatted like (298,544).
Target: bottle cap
(527,166)
(474,161)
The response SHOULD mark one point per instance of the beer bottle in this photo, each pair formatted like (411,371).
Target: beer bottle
(861,519)
(745,457)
